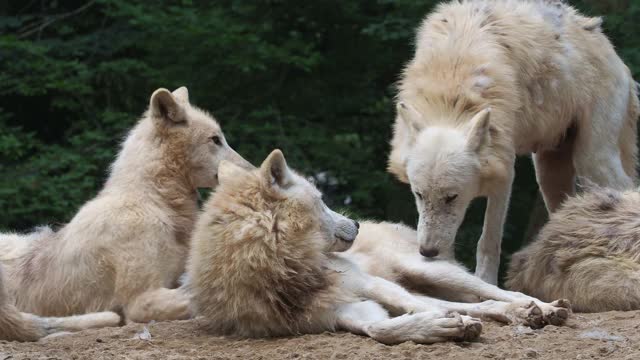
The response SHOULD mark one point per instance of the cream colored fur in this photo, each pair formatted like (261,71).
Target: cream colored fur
(494,79)
(262,265)
(129,245)
(589,253)
(18,326)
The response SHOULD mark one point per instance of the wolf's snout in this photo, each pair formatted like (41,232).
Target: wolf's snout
(429,252)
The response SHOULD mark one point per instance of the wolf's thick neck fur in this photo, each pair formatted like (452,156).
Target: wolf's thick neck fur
(259,271)
(153,161)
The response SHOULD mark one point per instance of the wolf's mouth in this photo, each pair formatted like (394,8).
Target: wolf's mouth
(347,238)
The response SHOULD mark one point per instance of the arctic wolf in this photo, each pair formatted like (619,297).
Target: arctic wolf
(128,246)
(589,253)
(494,79)
(262,265)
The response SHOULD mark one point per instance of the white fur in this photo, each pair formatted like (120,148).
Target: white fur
(494,79)
(128,246)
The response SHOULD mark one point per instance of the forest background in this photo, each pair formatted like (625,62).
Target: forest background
(314,78)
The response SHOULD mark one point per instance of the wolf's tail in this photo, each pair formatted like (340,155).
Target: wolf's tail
(18,326)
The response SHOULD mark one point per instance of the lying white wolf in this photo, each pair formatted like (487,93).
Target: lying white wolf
(128,246)
(494,79)
(589,252)
(261,265)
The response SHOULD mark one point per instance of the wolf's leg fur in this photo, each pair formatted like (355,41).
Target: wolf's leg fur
(452,277)
(395,297)
(159,304)
(555,173)
(518,312)
(488,252)
(597,154)
(369,318)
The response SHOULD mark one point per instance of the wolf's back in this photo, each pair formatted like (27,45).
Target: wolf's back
(13,246)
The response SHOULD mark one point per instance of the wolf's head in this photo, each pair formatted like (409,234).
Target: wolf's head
(258,258)
(191,136)
(443,167)
(295,204)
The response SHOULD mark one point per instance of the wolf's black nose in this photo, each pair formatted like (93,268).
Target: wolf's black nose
(429,252)
(357,224)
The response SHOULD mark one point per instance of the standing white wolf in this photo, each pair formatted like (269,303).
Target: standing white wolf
(261,265)
(494,79)
(129,245)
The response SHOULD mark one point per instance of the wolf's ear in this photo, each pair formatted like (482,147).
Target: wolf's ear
(479,136)
(228,171)
(411,119)
(274,171)
(181,94)
(165,106)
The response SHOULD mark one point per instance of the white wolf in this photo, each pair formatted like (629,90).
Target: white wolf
(261,265)
(494,79)
(128,246)
(589,252)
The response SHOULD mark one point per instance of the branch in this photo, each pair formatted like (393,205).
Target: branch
(39,27)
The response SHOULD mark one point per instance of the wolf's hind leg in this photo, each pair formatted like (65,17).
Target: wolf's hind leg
(519,312)
(369,318)
(160,305)
(555,173)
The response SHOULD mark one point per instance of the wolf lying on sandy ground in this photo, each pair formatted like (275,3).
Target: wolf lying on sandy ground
(128,246)
(494,79)
(261,265)
(589,253)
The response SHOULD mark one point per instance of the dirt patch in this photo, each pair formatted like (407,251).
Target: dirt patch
(612,335)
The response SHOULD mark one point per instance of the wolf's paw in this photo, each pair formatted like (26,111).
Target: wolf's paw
(472,328)
(459,327)
(453,327)
(556,313)
(526,313)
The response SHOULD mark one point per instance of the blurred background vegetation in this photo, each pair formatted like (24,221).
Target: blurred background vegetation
(314,78)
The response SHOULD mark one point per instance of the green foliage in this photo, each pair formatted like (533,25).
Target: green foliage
(315,78)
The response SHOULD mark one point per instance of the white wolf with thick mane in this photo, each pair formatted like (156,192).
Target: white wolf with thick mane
(262,265)
(128,246)
(494,79)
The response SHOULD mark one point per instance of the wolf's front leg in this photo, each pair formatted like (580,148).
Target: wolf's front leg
(369,318)
(453,278)
(160,305)
(519,312)
(489,246)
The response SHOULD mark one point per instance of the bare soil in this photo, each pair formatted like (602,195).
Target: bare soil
(611,335)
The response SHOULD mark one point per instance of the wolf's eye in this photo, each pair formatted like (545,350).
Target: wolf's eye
(450,198)
(418,195)
(216,140)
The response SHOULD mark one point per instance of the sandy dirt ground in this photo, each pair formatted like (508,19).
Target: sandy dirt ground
(612,335)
